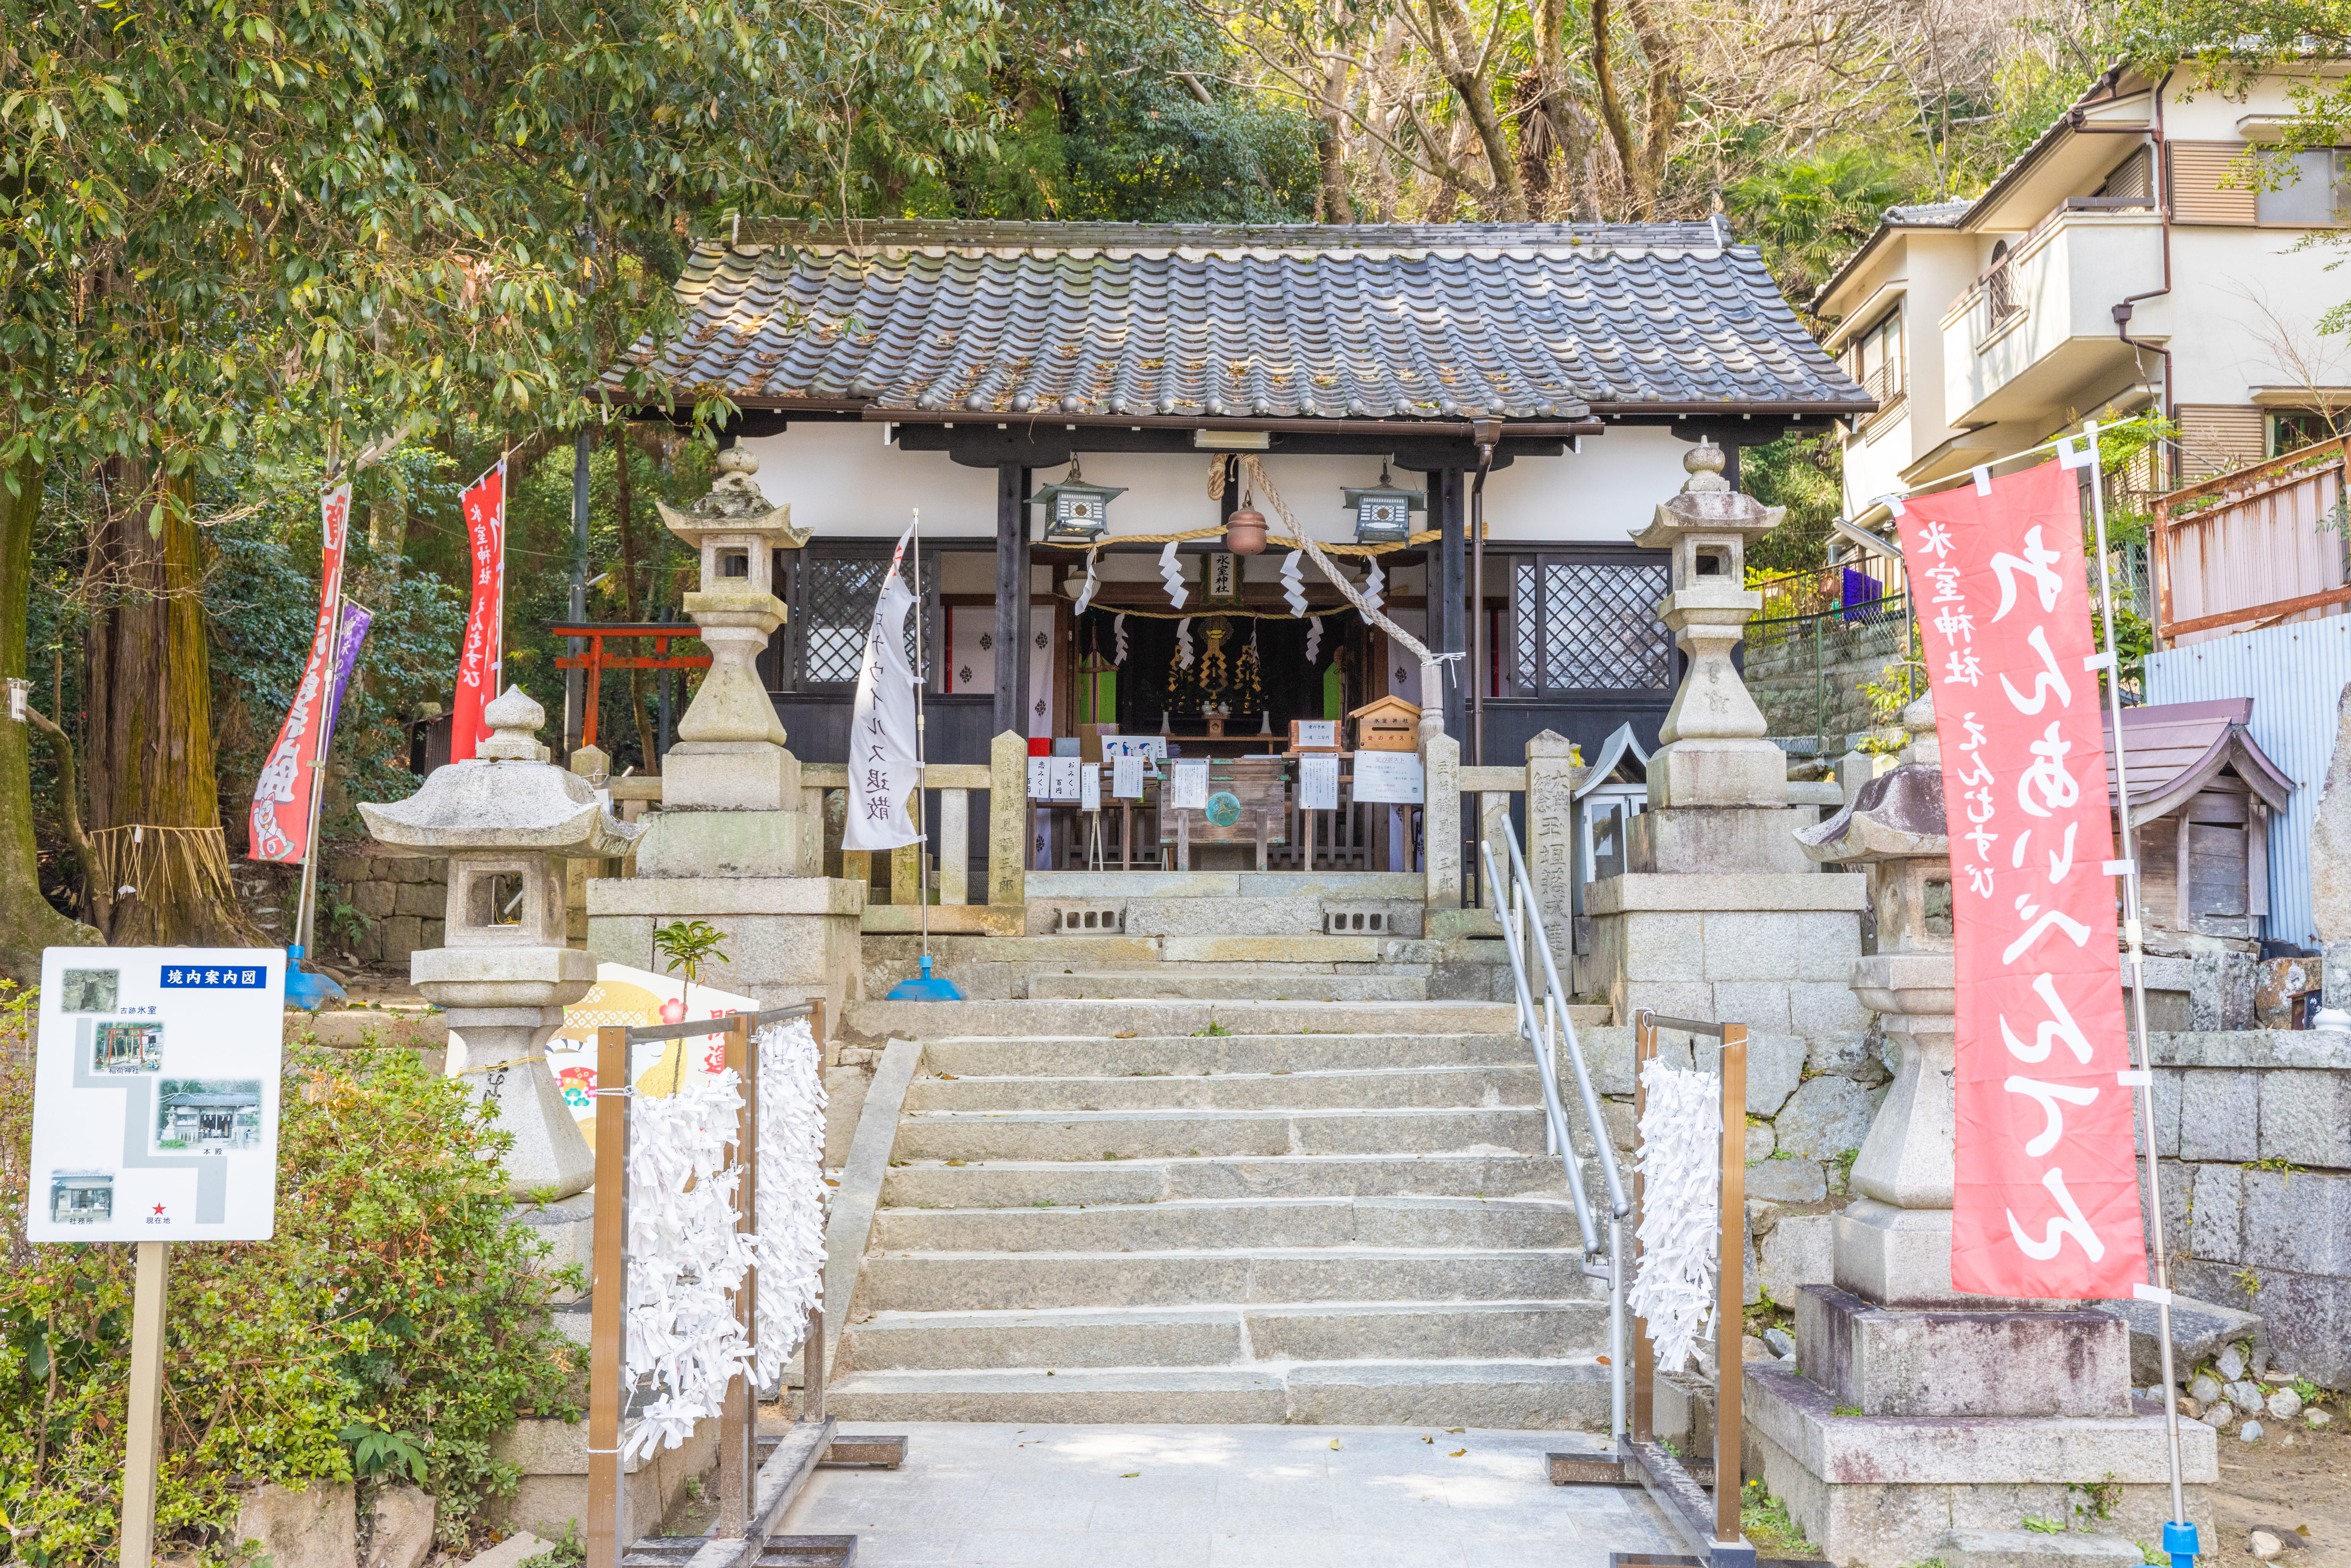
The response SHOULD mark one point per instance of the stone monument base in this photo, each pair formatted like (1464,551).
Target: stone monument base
(789,938)
(1904,1426)
(682,845)
(1745,838)
(1769,950)
(1718,771)
(730,776)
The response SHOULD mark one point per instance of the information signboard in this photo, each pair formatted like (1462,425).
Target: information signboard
(155,1095)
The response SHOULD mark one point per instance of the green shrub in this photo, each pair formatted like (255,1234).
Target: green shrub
(391,1328)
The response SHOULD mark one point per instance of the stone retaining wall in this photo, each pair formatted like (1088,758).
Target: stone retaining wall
(401,900)
(1809,1106)
(2254,1136)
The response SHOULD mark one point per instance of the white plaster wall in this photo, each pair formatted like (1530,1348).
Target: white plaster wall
(841,480)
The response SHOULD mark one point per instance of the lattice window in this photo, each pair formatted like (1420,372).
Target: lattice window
(1590,625)
(831,607)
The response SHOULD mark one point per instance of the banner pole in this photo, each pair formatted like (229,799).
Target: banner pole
(921,754)
(306,913)
(2138,957)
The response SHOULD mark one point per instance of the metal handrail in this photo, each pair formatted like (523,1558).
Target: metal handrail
(1544,1026)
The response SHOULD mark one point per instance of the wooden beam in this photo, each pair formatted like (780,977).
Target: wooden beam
(2277,612)
(1011,598)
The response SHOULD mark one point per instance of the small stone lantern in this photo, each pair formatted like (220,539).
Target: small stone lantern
(1894,1241)
(730,752)
(505,820)
(1714,752)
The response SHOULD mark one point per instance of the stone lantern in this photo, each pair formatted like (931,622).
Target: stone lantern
(505,820)
(1894,1241)
(1714,752)
(730,753)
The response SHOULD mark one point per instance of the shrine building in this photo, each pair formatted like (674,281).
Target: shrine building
(1045,393)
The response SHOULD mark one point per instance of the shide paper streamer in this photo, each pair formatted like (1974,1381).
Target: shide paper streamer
(687,1263)
(1681,1142)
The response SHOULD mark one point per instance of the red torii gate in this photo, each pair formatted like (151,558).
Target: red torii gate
(595,661)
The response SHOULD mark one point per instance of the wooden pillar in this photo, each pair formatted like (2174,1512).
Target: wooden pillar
(1011,599)
(1449,589)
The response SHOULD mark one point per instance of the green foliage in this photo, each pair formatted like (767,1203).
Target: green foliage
(379,1454)
(1809,213)
(688,945)
(227,222)
(1765,1520)
(2095,1501)
(394,1324)
(568,1552)
(1805,474)
(1848,1410)
(2041,1526)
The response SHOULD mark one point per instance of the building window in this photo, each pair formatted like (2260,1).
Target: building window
(1877,359)
(2291,429)
(830,607)
(2001,303)
(1584,625)
(2313,196)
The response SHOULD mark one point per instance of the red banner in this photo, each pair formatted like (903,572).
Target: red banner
(2047,1197)
(479,665)
(280,826)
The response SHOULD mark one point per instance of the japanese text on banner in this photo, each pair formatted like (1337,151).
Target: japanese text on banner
(480,661)
(280,826)
(2046,1193)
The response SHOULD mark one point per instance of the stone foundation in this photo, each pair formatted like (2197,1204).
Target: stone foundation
(1888,1490)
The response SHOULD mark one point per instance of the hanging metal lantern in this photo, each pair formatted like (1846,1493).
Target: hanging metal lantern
(1081,512)
(1383,513)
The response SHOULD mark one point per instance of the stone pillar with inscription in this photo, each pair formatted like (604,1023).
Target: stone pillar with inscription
(1914,1422)
(1718,914)
(506,820)
(738,841)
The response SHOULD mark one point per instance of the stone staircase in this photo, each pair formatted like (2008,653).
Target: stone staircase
(1227,1211)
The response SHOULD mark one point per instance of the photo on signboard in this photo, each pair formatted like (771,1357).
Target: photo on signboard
(90,991)
(120,1045)
(81,1197)
(207,1115)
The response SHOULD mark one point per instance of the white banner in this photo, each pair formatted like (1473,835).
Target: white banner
(882,767)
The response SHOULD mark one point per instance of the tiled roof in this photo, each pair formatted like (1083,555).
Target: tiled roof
(1538,322)
(1929,214)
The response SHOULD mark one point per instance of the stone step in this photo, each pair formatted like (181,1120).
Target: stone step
(1009,1184)
(1517,1395)
(1222,1335)
(966,1282)
(1390,1088)
(1200,1224)
(1111,1135)
(1026,1018)
(1092,1056)
(1177,980)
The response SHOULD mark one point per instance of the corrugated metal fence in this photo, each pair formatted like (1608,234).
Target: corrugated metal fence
(2295,674)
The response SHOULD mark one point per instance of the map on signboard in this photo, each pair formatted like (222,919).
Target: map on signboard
(155,1095)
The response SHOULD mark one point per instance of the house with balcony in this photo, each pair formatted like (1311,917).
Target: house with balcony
(2122,263)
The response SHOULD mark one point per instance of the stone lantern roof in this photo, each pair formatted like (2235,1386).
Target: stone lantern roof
(1898,815)
(508,798)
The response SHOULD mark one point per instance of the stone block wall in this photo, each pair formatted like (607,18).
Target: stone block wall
(2253,1131)
(1810,1101)
(402,901)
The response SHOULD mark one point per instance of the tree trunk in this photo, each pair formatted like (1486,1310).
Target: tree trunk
(155,799)
(1331,142)
(1466,70)
(28,922)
